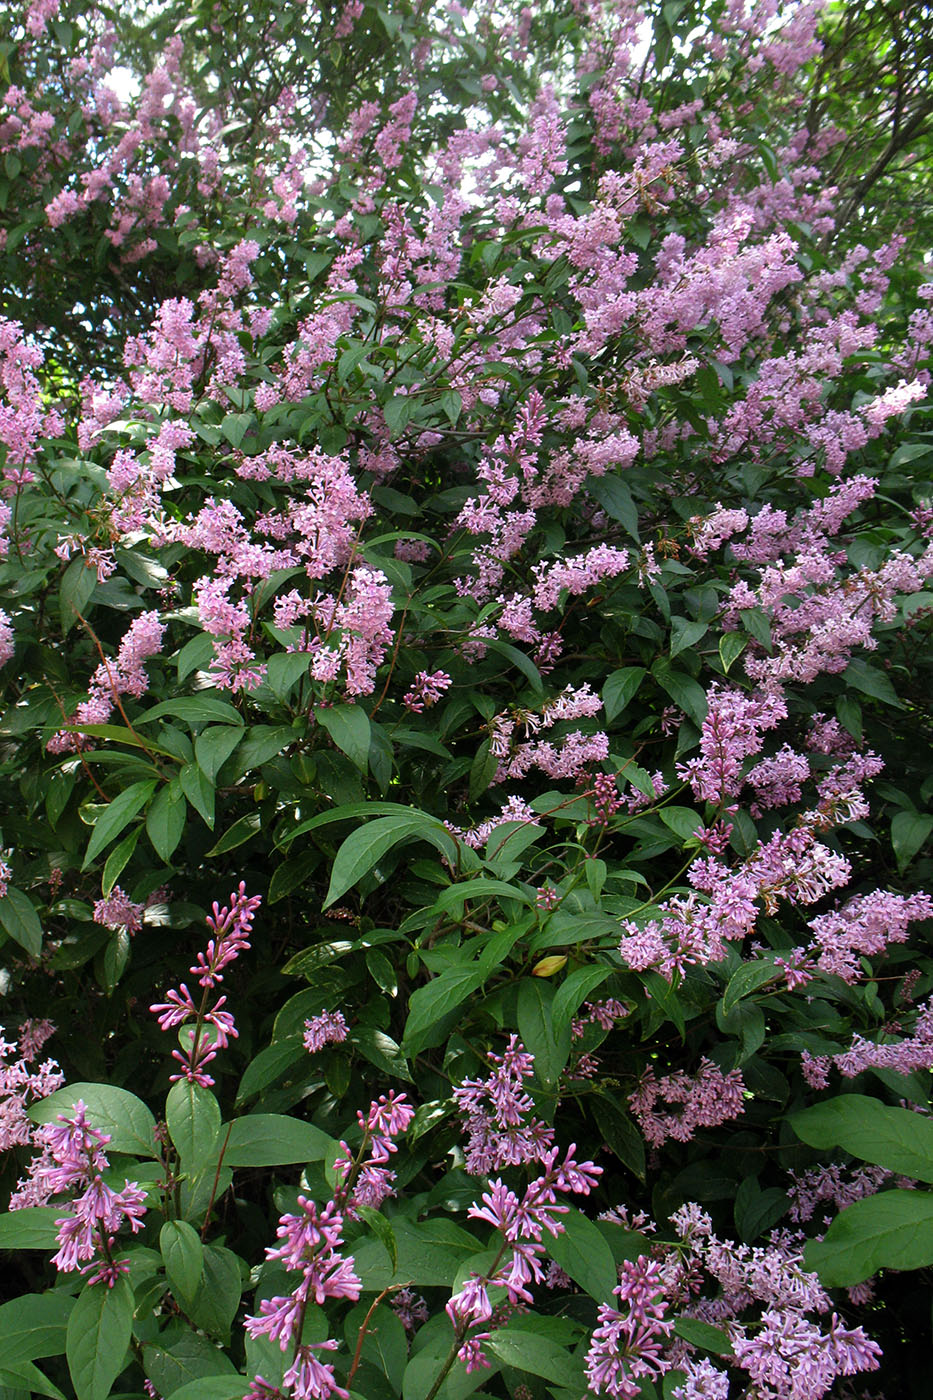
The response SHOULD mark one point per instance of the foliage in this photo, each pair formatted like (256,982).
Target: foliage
(465,492)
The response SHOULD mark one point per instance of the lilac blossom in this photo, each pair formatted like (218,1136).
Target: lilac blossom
(499,1114)
(231,928)
(705,1100)
(627,1343)
(72,1158)
(329,1028)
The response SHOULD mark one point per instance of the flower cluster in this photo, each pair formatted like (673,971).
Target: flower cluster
(522,1222)
(498,1114)
(231,927)
(72,1159)
(627,1343)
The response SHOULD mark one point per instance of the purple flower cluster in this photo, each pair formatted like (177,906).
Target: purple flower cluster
(231,928)
(310,1245)
(705,1100)
(73,1159)
(498,1114)
(627,1344)
(522,1221)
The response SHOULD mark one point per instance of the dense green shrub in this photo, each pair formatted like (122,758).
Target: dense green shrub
(465,492)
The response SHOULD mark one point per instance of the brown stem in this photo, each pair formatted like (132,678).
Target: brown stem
(210,1204)
(359,1345)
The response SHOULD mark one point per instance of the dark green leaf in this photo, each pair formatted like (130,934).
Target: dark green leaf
(582,1252)
(181,1248)
(20,921)
(97,1338)
(894,1138)
(274,1140)
(892,1230)
(116,816)
(620,688)
(115,1111)
(349,727)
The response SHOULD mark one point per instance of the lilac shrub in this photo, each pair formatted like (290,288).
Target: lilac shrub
(464,489)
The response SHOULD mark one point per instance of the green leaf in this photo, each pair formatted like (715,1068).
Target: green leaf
(573,991)
(757,625)
(349,727)
(78,583)
(165,819)
(20,921)
(430,1006)
(703,1334)
(33,1326)
(116,815)
(234,427)
(191,1361)
(33,1227)
(264,1068)
(364,848)
(430,1254)
(117,860)
(550,1049)
(397,411)
(683,821)
(199,791)
(519,660)
(894,1138)
(686,694)
(620,1133)
(380,1050)
(385,1344)
(274,1140)
(756,1211)
(747,979)
(113,1110)
(241,831)
(731,646)
(685,634)
(621,686)
(909,831)
(29,1378)
(192,1116)
(284,670)
(183,1253)
(450,404)
(211,1387)
(383,1231)
(616,500)
(582,1252)
(482,770)
(871,681)
(195,655)
(215,1302)
(200,709)
(892,1230)
(97,1338)
(213,747)
(453,899)
(909,452)
(532,1352)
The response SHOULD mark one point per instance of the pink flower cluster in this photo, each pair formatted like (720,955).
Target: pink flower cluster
(705,1100)
(310,1245)
(627,1343)
(22,1083)
(72,1159)
(123,676)
(231,927)
(499,1114)
(329,1028)
(521,1222)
